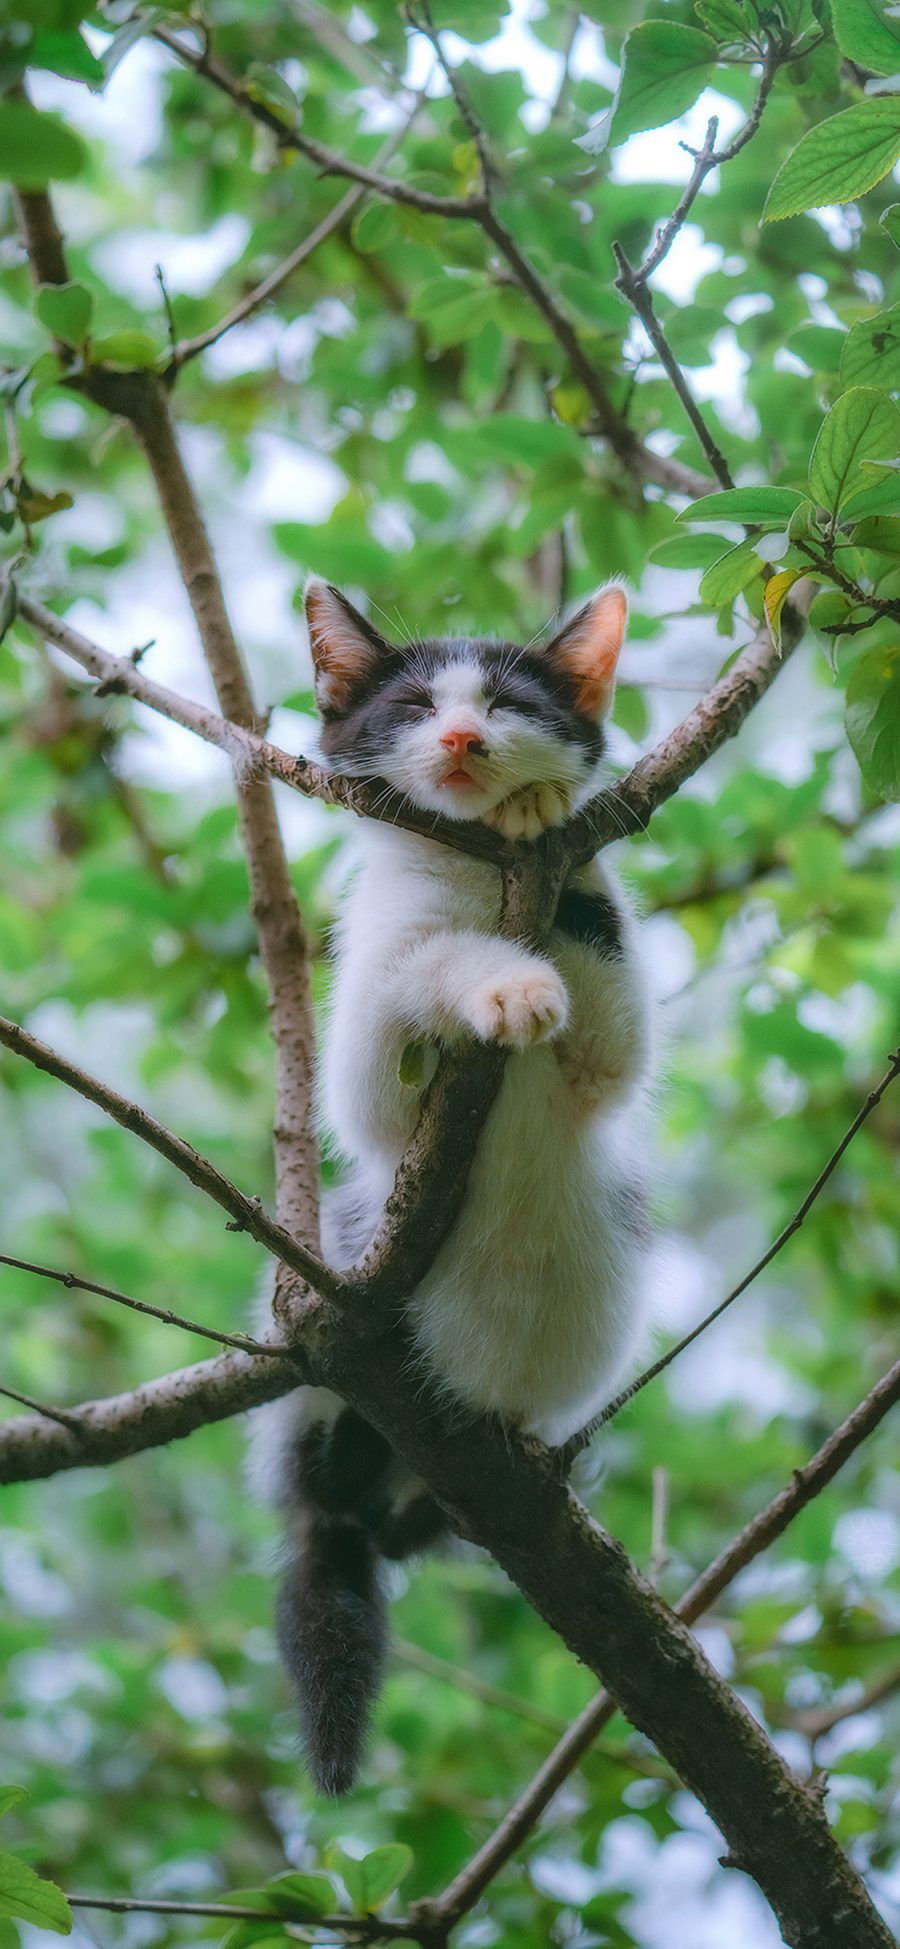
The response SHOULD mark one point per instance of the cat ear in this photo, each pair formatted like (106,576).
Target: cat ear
(345,648)
(587,649)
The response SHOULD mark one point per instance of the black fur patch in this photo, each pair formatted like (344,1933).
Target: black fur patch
(395,692)
(591,919)
(331,1612)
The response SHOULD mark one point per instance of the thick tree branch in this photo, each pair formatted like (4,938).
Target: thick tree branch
(623,808)
(806,1483)
(504,1495)
(108,1430)
(141,399)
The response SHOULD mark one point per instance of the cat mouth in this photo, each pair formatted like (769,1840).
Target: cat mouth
(458,777)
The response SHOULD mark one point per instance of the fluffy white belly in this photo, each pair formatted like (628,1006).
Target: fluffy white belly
(532,1307)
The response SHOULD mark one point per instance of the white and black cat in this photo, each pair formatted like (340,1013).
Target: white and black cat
(533,1305)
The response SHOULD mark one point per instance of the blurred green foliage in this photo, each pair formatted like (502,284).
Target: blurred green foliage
(400,418)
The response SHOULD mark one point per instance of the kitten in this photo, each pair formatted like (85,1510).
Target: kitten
(532,1308)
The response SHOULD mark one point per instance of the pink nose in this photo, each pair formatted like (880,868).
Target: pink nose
(460,743)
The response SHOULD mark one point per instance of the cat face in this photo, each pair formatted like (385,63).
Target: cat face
(457,724)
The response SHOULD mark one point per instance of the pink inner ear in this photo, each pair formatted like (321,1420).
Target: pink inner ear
(589,649)
(340,651)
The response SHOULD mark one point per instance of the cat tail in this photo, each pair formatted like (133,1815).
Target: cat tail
(331,1616)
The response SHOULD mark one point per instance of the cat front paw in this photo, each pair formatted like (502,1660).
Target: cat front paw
(529,811)
(520,1009)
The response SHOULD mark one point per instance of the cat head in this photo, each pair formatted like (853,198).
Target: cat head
(456,723)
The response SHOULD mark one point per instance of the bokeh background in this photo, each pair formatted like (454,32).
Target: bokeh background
(426,448)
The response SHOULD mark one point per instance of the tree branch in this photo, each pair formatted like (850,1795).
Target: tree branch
(248,1214)
(623,808)
(139,397)
(289,135)
(73,1283)
(149,1416)
(819,1720)
(707,159)
(60,1415)
(627,1394)
(358,1928)
(188,348)
(806,1483)
(641,461)
(632,287)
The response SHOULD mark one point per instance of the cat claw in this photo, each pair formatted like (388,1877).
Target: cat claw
(521,1010)
(529,811)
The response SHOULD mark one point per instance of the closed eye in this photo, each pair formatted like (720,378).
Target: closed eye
(416,700)
(509,700)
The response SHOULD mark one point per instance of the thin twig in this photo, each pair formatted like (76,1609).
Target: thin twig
(621,1400)
(467,115)
(291,136)
(188,348)
(632,287)
(363,1928)
(248,1214)
(70,1279)
(819,1720)
(65,1420)
(642,462)
(707,159)
(806,1483)
(525,1709)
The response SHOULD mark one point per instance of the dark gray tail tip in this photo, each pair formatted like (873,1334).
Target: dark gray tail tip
(333,1776)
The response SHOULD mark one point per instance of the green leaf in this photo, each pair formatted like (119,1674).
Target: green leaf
(66,310)
(730,575)
(687,551)
(665,68)
(266,85)
(65,54)
(754,506)
(828,609)
(10,1796)
(882,498)
(890,221)
(26,1897)
(369,1882)
(838,159)
(871,354)
(411,1070)
(863,424)
(375,226)
(880,532)
(33,505)
(9,605)
(873,719)
(36,149)
(730,21)
(867,35)
(126,351)
(385,1868)
(819,346)
(300,1897)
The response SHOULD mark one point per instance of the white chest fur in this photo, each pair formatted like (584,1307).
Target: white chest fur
(532,1306)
